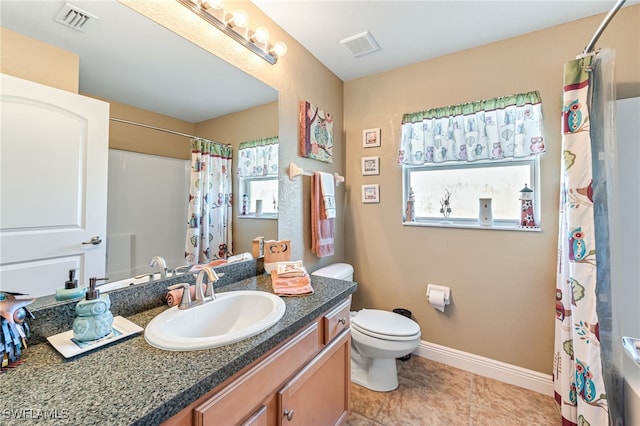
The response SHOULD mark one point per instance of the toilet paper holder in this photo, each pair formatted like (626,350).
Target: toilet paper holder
(445,290)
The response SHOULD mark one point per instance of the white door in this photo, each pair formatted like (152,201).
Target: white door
(53,186)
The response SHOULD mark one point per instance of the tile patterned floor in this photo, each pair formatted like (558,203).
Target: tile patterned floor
(434,394)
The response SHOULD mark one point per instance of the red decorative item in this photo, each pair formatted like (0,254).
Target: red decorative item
(527,219)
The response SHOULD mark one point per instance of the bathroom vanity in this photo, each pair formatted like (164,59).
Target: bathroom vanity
(296,372)
(304,381)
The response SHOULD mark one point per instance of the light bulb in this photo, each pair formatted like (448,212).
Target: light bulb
(279,49)
(261,35)
(240,18)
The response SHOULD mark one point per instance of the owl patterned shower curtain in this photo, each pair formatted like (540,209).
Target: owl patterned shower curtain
(583,278)
(209,215)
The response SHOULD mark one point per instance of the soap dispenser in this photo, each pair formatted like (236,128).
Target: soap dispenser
(94,319)
(70,290)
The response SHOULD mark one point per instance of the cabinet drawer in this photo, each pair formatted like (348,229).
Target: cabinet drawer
(335,321)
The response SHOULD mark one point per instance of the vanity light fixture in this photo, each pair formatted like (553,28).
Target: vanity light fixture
(236,26)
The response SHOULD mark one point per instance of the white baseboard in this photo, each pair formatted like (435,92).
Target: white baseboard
(507,373)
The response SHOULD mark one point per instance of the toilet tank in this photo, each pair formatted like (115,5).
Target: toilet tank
(340,271)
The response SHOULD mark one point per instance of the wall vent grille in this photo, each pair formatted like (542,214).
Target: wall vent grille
(73,17)
(361,44)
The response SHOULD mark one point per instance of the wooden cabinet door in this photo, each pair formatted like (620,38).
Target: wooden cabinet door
(320,393)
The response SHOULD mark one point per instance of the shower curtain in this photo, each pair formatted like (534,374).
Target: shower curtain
(209,214)
(583,288)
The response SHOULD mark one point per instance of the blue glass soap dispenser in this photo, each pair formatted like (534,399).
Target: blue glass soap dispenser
(94,318)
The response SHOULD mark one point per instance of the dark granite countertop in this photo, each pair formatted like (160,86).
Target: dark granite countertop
(131,382)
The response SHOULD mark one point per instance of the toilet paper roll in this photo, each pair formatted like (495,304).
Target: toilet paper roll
(436,299)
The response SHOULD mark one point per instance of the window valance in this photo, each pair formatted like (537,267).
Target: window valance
(491,129)
(258,157)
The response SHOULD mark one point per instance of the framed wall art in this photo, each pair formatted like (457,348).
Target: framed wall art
(371,193)
(316,133)
(371,138)
(370,166)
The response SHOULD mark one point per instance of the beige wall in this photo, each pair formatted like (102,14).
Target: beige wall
(253,123)
(502,282)
(33,60)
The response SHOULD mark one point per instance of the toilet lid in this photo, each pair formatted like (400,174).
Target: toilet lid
(385,325)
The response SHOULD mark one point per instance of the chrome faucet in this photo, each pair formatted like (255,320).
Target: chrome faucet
(208,294)
(159,261)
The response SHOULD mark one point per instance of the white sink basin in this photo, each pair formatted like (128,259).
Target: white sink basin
(231,317)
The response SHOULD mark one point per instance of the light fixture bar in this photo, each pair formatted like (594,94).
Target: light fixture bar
(229,31)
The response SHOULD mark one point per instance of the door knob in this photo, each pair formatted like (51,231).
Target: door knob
(94,241)
(288,414)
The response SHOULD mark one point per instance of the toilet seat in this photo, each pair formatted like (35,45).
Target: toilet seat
(385,325)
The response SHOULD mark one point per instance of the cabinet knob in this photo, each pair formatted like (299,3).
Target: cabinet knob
(342,321)
(288,414)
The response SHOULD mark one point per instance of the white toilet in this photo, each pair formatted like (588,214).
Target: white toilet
(377,339)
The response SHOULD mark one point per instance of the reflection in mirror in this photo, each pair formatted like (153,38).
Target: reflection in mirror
(151,75)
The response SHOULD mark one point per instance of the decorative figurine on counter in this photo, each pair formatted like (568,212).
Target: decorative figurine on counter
(14,330)
(527,219)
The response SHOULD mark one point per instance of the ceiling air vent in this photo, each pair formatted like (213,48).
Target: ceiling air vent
(361,44)
(73,17)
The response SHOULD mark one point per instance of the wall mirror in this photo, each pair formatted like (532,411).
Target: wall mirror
(138,65)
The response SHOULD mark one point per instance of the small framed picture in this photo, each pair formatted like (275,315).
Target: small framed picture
(371,193)
(370,166)
(371,138)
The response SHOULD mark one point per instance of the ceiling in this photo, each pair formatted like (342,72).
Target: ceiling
(412,31)
(127,58)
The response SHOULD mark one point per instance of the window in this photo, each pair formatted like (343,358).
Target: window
(258,178)
(259,188)
(467,183)
(462,153)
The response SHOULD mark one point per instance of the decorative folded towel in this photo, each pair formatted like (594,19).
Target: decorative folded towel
(290,269)
(328,188)
(294,286)
(175,296)
(213,263)
(322,229)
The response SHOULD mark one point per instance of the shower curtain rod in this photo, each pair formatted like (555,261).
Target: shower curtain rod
(590,47)
(160,129)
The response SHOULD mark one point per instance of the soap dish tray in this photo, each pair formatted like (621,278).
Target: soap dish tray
(70,347)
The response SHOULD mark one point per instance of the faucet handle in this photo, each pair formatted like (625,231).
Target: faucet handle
(213,277)
(185,301)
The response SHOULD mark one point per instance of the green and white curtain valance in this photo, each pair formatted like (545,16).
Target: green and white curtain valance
(258,157)
(491,129)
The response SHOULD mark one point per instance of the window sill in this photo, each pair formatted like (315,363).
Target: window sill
(267,216)
(472,225)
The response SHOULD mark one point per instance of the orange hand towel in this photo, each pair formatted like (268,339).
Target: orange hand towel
(212,264)
(296,286)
